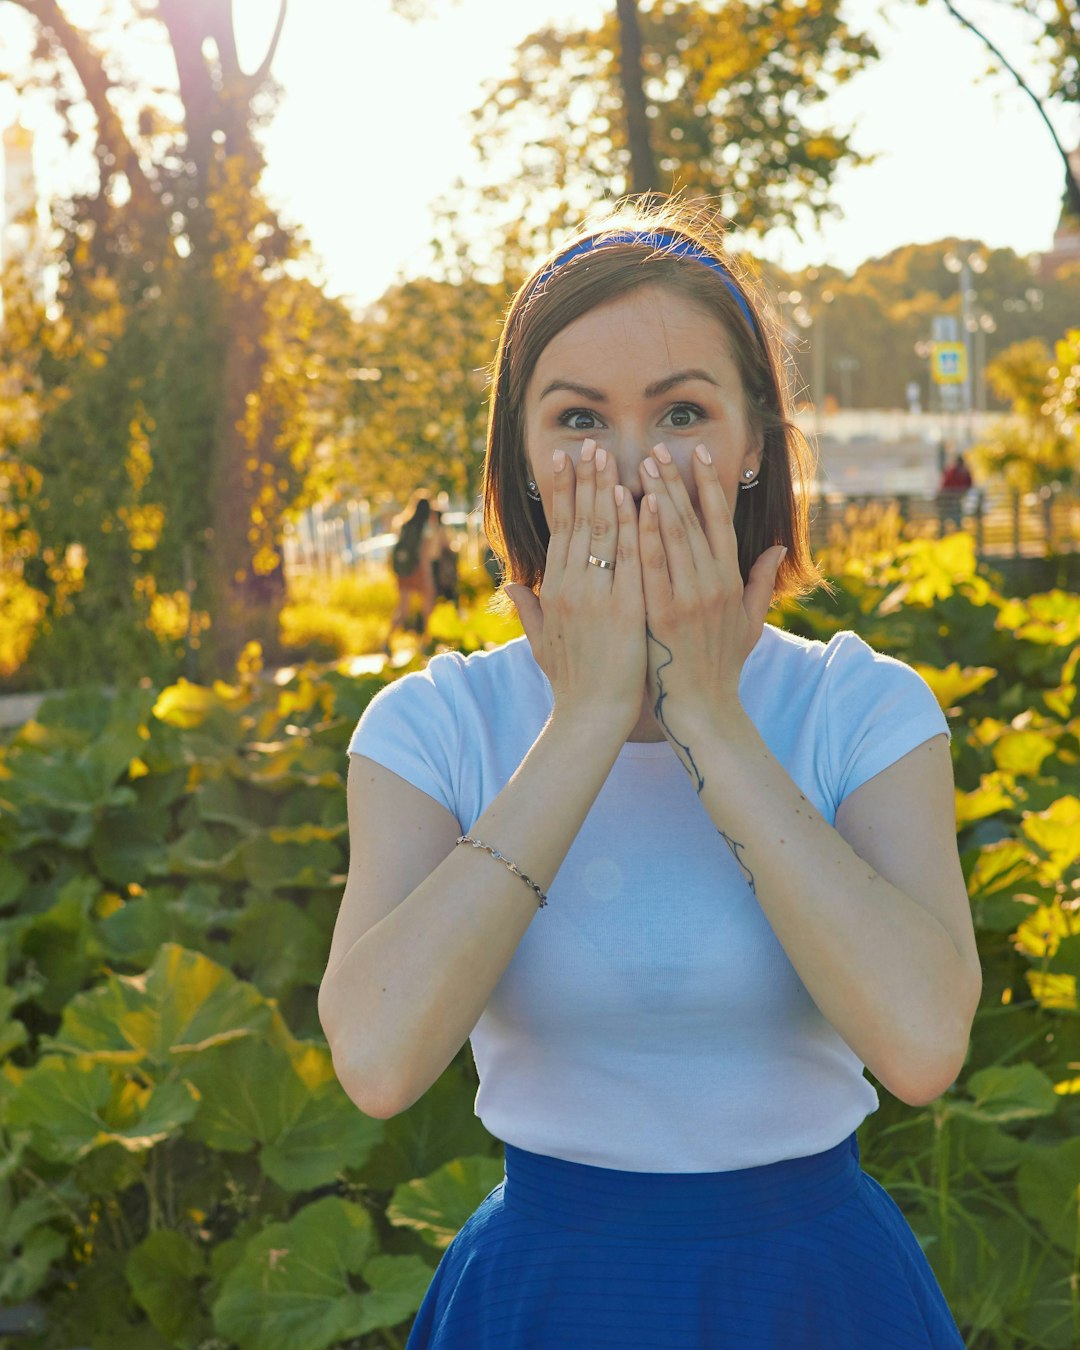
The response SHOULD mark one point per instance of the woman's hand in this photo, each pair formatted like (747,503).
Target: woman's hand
(587,628)
(701,623)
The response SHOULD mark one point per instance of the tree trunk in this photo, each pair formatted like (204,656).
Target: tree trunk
(642,163)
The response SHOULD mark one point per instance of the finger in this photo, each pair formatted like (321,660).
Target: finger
(681,563)
(626,585)
(605,529)
(758,594)
(716,512)
(675,488)
(530,614)
(577,555)
(655,577)
(562,516)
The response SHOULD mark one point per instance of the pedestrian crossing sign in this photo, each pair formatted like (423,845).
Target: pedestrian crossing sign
(948,363)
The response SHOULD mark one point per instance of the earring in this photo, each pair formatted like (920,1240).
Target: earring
(752,483)
(532,491)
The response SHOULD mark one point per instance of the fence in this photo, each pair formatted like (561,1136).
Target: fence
(1005,524)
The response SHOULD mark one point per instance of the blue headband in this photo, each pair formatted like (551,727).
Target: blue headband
(667,241)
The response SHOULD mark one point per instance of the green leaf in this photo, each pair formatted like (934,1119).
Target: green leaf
(1048,1185)
(250,1093)
(292,1288)
(73,1106)
(129,846)
(438,1205)
(164,1272)
(1009,1093)
(988,799)
(279,944)
(270,865)
(181,1006)
(328,1136)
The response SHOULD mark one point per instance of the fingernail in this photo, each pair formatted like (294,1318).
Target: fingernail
(588,449)
(651,499)
(783,555)
(662,454)
(650,467)
(620,493)
(703,455)
(601,456)
(558,460)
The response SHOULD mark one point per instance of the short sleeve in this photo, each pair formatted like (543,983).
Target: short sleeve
(877,710)
(412,728)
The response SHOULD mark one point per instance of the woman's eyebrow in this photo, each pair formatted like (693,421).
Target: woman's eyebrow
(652,391)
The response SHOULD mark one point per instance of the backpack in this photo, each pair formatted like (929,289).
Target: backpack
(405,556)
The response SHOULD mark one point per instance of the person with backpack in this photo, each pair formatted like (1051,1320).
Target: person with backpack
(411,562)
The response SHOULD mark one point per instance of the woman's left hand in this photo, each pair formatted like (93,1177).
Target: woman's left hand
(701,623)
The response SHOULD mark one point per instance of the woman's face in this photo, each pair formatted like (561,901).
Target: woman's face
(647,367)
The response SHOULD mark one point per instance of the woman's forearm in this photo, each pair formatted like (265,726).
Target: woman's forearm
(405,997)
(881,968)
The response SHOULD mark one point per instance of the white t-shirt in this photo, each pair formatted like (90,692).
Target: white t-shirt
(649,1019)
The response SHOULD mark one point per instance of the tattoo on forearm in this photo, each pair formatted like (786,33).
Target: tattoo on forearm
(681,748)
(736,852)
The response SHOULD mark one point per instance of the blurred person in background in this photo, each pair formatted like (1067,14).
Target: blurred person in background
(444,567)
(412,563)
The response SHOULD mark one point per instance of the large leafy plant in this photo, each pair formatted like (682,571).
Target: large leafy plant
(178,1165)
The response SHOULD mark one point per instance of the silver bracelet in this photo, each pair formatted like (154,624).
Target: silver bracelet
(464,839)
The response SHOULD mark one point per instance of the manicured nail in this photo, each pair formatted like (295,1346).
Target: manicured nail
(703,455)
(651,499)
(601,456)
(558,460)
(650,467)
(588,450)
(620,493)
(662,454)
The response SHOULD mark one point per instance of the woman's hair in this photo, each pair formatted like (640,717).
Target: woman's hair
(776,510)
(415,516)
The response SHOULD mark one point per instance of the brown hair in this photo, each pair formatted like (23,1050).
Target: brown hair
(773,512)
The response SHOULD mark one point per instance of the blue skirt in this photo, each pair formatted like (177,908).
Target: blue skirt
(804,1254)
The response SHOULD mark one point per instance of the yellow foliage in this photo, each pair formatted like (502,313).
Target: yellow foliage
(22,609)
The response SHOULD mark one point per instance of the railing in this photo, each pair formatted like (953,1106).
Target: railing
(1004,523)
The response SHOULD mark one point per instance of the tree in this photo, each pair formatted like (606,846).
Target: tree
(190,380)
(1039,443)
(418,409)
(1056,24)
(729,86)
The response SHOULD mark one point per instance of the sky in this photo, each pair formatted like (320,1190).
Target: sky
(360,146)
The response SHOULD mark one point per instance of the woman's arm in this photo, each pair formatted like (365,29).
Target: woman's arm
(873,914)
(427,928)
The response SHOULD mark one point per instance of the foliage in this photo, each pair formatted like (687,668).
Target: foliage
(881,313)
(1040,442)
(160,417)
(172,1131)
(418,403)
(726,83)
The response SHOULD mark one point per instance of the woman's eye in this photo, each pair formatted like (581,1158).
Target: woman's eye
(571,417)
(685,414)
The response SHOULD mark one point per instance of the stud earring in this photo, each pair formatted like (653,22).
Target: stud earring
(751,483)
(532,491)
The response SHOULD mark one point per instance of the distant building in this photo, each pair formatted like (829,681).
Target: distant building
(1066,248)
(20,238)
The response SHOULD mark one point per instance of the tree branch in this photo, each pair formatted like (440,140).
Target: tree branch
(1072,187)
(89,67)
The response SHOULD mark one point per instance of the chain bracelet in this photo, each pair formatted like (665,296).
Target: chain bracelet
(465,839)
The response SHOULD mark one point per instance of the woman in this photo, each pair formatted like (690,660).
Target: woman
(412,563)
(677,874)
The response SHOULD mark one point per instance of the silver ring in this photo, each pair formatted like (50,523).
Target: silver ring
(599,562)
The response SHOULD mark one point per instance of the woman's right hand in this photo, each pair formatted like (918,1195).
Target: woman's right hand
(587,628)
